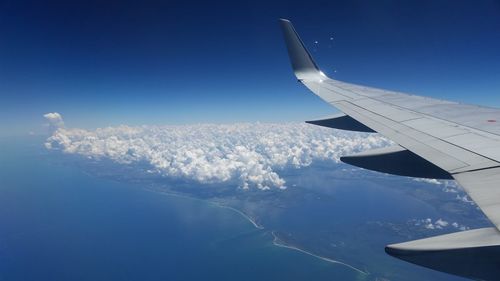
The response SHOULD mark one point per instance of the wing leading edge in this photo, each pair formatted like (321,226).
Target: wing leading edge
(463,141)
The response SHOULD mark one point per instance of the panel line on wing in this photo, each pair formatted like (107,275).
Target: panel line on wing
(362,93)
(394,130)
(477,163)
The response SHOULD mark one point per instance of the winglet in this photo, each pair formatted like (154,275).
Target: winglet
(303,64)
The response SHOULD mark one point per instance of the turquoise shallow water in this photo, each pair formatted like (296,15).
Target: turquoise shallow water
(59,223)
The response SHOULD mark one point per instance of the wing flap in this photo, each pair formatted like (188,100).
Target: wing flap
(483,187)
(341,122)
(397,161)
(474,253)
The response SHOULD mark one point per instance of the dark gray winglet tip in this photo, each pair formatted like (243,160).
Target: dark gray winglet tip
(391,251)
(302,62)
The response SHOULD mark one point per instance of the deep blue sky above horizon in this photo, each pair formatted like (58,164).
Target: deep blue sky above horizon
(103,63)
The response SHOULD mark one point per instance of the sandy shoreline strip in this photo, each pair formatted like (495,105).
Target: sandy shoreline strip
(220,205)
(258,226)
(276,242)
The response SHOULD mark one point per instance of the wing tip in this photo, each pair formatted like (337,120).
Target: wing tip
(302,62)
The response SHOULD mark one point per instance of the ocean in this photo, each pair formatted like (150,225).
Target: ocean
(59,223)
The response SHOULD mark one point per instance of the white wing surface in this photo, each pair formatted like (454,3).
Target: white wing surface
(435,139)
(463,140)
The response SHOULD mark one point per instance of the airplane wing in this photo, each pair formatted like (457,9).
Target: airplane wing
(435,138)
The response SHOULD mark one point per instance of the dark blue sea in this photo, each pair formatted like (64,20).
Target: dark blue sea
(59,223)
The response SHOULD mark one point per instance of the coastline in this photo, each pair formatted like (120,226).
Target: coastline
(277,242)
(217,204)
(251,220)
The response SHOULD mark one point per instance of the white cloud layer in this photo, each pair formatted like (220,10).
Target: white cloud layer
(249,154)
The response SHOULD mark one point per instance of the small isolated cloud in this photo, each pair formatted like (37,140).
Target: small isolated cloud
(441,223)
(451,186)
(55,120)
(460,227)
(464,198)
(431,181)
(428,223)
(252,155)
(454,188)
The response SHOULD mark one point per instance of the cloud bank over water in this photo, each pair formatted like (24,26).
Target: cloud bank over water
(251,155)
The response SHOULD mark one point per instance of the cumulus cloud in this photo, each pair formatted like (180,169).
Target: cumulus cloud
(450,186)
(431,181)
(453,187)
(428,223)
(464,198)
(441,223)
(252,155)
(55,120)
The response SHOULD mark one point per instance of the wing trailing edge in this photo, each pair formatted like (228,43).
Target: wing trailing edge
(341,122)
(396,160)
(473,253)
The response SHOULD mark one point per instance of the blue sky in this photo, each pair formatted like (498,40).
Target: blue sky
(103,63)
